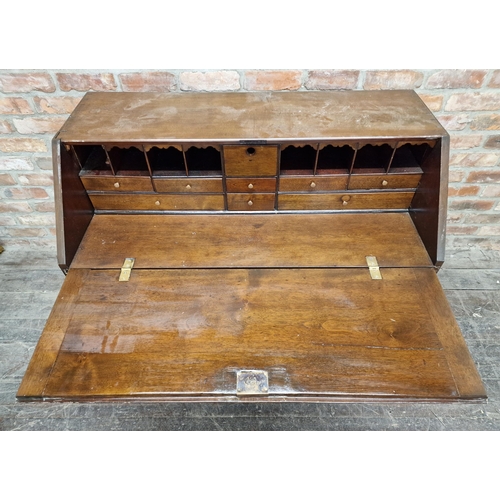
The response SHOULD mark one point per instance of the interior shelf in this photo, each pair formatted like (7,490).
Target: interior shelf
(334,160)
(93,160)
(203,161)
(128,161)
(166,161)
(298,160)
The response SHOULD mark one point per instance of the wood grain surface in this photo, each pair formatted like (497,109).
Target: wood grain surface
(251,201)
(322,332)
(231,117)
(245,161)
(149,202)
(254,240)
(350,200)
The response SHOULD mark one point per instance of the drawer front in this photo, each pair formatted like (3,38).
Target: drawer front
(251,185)
(312,184)
(387,181)
(188,185)
(251,161)
(157,202)
(345,201)
(116,183)
(250,202)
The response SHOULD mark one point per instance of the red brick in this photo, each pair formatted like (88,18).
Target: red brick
(493,142)
(86,81)
(489,231)
(16,206)
(56,105)
(7,180)
(454,216)
(452,191)
(5,127)
(273,80)
(147,82)
(17,144)
(53,231)
(45,164)
(491,192)
(455,175)
(488,176)
(483,219)
(36,180)
(25,193)
(332,79)
(433,102)
(474,159)
(465,141)
(26,82)
(37,220)
(39,125)
(471,205)
(451,229)
(495,79)
(453,122)
(7,221)
(464,190)
(456,79)
(476,101)
(210,81)
(7,163)
(14,106)
(393,79)
(485,122)
(45,206)
(26,232)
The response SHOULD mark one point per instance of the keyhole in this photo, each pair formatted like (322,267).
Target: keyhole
(250,151)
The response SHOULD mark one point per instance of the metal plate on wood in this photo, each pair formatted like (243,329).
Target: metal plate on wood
(252,382)
(373,267)
(128,264)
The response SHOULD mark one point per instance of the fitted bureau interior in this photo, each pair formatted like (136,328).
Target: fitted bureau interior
(251,247)
(327,176)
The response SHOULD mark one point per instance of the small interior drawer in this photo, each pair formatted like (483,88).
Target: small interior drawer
(295,183)
(251,161)
(157,202)
(345,201)
(384,181)
(250,202)
(116,183)
(188,185)
(251,185)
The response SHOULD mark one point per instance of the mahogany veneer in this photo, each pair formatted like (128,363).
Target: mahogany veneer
(285,244)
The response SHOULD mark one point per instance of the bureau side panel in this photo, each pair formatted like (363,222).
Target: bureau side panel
(429,205)
(73,208)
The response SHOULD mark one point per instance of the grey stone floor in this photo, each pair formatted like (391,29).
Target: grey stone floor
(30,281)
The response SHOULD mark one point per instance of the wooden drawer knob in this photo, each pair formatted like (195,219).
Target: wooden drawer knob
(188,186)
(250,186)
(345,199)
(250,203)
(157,203)
(116,184)
(251,151)
(384,183)
(313,184)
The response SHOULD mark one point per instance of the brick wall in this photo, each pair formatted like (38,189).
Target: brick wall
(34,105)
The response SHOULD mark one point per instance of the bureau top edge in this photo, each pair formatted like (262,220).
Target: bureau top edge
(241,117)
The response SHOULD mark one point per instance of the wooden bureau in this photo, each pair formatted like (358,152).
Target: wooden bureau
(251,247)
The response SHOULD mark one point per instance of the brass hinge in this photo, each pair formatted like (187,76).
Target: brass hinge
(128,264)
(373,267)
